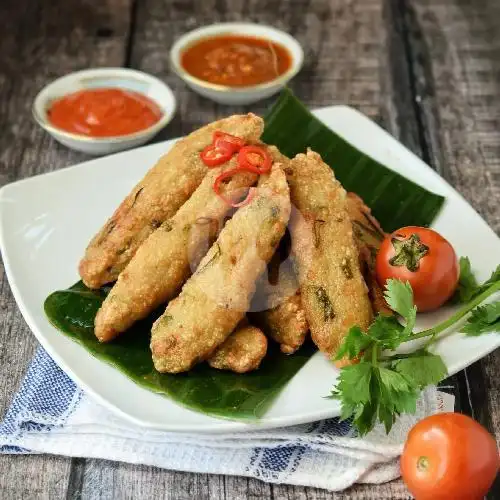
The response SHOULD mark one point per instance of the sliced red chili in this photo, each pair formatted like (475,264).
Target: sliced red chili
(217,188)
(228,141)
(213,156)
(254,159)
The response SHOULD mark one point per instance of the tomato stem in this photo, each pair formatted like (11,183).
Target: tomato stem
(436,330)
(408,252)
(422,464)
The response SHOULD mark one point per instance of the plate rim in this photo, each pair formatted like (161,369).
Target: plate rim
(223,425)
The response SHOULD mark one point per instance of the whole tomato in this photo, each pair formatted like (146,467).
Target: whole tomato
(449,456)
(425,259)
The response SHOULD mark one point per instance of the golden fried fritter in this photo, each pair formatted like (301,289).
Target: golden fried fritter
(218,294)
(368,236)
(156,198)
(282,316)
(280,313)
(165,260)
(241,352)
(334,294)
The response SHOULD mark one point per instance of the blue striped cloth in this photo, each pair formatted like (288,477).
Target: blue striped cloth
(50,414)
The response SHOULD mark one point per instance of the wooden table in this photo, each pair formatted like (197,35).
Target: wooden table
(427,70)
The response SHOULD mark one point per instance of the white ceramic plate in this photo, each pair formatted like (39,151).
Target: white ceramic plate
(46,222)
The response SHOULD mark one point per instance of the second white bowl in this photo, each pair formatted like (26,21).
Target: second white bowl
(237,95)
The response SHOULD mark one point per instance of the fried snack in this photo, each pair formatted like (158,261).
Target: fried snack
(218,294)
(166,259)
(280,313)
(282,318)
(368,236)
(241,352)
(156,198)
(334,294)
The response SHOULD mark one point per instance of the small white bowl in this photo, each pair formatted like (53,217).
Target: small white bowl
(122,78)
(237,95)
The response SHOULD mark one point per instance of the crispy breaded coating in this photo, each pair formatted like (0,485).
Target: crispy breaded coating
(282,318)
(285,323)
(368,235)
(166,259)
(218,294)
(334,294)
(241,352)
(156,198)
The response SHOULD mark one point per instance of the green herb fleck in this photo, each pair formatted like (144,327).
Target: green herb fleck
(346,268)
(324,302)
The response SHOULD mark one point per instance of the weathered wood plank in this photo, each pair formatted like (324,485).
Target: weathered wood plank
(41,41)
(343,42)
(457,47)
(344,49)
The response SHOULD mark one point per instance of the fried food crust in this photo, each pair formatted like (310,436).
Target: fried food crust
(218,294)
(334,294)
(156,198)
(284,320)
(241,352)
(368,235)
(165,260)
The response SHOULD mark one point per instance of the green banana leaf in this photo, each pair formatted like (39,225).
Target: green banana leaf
(396,202)
(211,391)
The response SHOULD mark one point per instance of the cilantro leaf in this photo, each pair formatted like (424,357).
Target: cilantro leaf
(387,331)
(365,418)
(484,319)
(494,278)
(467,283)
(354,383)
(394,389)
(399,296)
(369,392)
(354,343)
(468,287)
(422,368)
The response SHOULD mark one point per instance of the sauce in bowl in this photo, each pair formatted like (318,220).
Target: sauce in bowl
(104,112)
(236,60)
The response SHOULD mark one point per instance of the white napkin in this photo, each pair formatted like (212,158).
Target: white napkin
(50,414)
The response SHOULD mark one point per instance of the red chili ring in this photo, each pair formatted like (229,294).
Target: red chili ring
(225,175)
(227,140)
(245,163)
(212,156)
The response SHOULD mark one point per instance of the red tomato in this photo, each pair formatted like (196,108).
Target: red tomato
(449,456)
(423,258)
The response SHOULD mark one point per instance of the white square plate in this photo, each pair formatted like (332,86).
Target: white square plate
(46,222)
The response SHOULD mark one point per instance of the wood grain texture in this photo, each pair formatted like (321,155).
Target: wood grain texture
(457,46)
(343,43)
(41,41)
(426,69)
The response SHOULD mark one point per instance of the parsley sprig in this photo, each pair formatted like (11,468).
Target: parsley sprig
(385,384)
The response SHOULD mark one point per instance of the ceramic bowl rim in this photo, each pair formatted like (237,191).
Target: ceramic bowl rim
(211,30)
(41,101)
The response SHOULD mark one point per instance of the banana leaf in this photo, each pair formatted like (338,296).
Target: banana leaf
(211,391)
(395,201)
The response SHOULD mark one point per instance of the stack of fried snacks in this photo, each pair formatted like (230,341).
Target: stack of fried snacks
(227,278)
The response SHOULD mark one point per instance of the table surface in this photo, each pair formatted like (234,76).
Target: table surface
(427,70)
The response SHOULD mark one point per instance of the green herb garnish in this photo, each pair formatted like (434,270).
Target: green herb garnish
(383,385)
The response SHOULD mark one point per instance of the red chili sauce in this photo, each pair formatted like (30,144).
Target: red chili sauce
(104,112)
(236,60)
